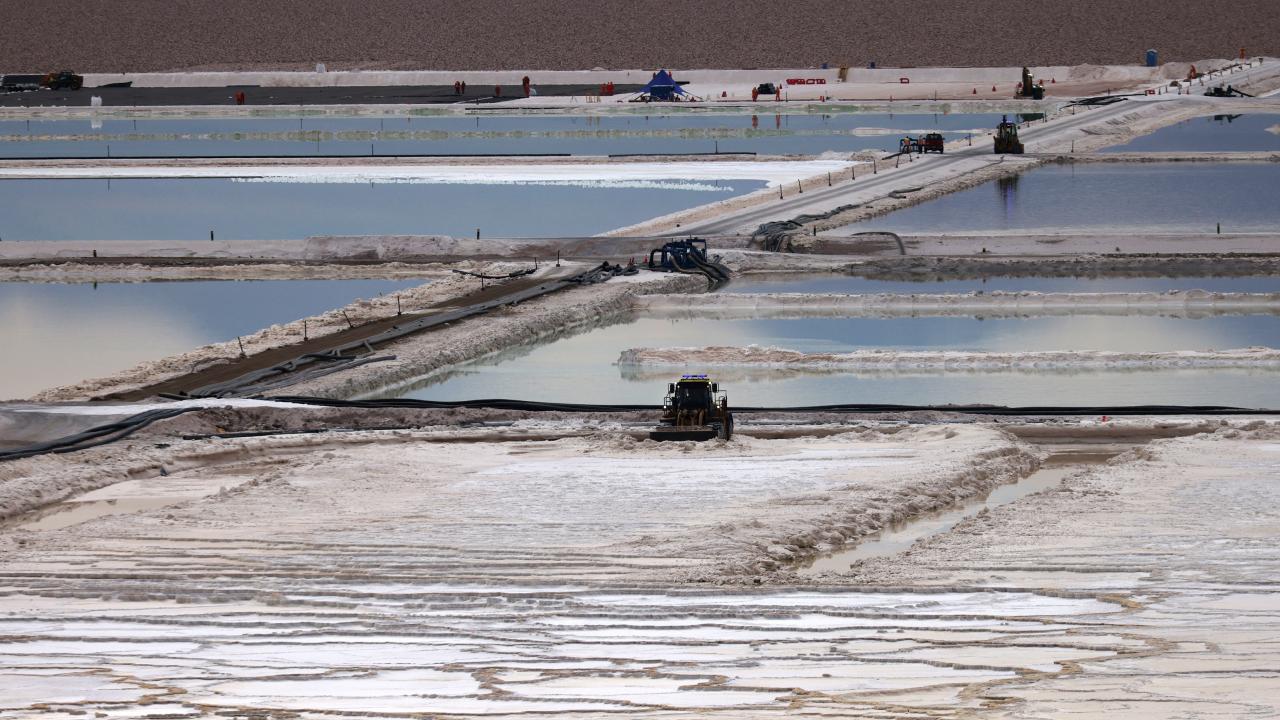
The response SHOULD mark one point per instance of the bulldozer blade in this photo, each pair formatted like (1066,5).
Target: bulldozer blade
(683,433)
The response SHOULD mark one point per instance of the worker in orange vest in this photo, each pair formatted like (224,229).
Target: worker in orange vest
(755,94)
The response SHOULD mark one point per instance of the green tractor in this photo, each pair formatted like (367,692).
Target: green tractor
(694,409)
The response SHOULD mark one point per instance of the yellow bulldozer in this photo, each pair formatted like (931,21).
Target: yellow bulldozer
(694,409)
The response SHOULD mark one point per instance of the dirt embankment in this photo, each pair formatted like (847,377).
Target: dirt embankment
(419,355)
(361,311)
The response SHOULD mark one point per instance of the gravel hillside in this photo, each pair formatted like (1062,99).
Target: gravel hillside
(155,35)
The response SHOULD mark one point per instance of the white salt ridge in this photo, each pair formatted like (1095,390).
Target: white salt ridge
(986,303)
(771,172)
(879,359)
(589,184)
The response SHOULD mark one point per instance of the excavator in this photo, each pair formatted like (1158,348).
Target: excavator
(1007,137)
(694,409)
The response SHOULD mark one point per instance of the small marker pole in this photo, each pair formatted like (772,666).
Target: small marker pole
(304,329)
(241,342)
(799,189)
(398,312)
(348,319)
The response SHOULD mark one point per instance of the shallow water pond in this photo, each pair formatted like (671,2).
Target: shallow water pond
(1128,197)
(60,334)
(1212,133)
(581,367)
(188,209)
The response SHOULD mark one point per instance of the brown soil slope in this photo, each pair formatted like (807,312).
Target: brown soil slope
(155,35)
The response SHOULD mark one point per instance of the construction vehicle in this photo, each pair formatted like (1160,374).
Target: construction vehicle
(933,142)
(1228,91)
(694,409)
(62,80)
(1028,87)
(1007,137)
(687,256)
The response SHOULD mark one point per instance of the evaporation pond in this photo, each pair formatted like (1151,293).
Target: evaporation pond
(1148,198)
(60,334)
(850,284)
(189,208)
(1213,133)
(582,367)
(767,134)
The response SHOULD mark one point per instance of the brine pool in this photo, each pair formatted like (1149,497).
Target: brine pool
(773,134)
(582,367)
(190,208)
(1146,198)
(1212,133)
(59,334)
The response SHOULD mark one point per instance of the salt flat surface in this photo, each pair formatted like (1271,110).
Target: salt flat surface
(402,578)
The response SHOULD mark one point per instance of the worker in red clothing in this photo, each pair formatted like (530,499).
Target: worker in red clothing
(524,83)
(755,94)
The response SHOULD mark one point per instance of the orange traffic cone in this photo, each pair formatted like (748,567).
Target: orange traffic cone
(993,88)
(975,91)
(1053,81)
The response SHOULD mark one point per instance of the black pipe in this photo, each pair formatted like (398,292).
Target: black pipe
(121,429)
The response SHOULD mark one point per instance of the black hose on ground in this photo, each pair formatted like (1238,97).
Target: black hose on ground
(94,437)
(111,432)
(842,408)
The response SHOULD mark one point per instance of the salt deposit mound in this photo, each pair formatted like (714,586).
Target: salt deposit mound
(895,360)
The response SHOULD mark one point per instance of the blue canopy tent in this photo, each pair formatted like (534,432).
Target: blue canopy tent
(663,88)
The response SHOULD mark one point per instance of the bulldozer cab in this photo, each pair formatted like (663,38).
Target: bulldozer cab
(691,393)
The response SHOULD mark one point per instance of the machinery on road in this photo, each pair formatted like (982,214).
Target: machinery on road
(1028,87)
(694,409)
(1006,140)
(688,256)
(932,142)
(1228,91)
(62,80)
